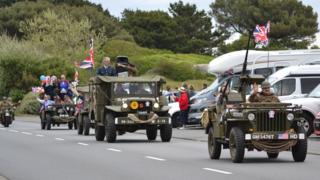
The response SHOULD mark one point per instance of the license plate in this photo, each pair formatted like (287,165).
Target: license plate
(7,114)
(263,136)
(281,136)
(142,112)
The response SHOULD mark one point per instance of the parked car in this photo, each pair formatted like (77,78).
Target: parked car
(295,81)
(311,109)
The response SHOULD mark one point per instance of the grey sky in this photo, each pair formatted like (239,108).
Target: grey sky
(115,7)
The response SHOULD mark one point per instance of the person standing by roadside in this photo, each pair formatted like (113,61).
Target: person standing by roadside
(106,69)
(183,105)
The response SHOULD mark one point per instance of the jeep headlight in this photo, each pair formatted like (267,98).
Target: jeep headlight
(49,107)
(124,105)
(251,116)
(156,105)
(67,108)
(290,116)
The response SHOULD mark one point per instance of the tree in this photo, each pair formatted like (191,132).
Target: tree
(194,28)
(153,29)
(293,25)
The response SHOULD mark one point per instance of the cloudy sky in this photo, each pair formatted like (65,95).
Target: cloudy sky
(117,6)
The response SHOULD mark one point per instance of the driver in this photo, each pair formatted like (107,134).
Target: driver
(265,96)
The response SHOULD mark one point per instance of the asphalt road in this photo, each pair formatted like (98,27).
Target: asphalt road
(28,153)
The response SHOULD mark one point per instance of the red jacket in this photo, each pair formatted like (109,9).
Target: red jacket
(183,101)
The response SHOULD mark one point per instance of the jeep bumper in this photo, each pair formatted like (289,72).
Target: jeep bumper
(132,119)
(274,136)
(63,119)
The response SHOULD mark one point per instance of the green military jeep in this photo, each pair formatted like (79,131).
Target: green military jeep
(127,104)
(271,127)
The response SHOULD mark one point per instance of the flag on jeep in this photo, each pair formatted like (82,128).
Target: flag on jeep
(260,34)
(88,62)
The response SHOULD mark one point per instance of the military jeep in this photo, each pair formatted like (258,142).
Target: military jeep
(238,125)
(57,114)
(127,104)
(82,106)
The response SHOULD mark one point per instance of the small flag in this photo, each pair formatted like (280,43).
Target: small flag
(88,62)
(261,35)
(283,136)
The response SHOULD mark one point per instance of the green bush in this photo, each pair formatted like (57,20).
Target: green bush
(29,104)
(16,95)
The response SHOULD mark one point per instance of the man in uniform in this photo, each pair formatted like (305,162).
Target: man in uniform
(106,69)
(265,96)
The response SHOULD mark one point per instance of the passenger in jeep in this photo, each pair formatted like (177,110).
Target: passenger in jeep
(265,96)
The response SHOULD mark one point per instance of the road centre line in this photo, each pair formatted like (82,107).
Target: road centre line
(83,144)
(155,158)
(59,139)
(3,129)
(15,131)
(40,135)
(115,150)
(217,170)
(26,133)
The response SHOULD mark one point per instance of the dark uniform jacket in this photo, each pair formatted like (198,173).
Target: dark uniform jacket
(106,71)
(261,97)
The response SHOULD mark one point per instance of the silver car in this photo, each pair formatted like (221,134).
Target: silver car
(311,109)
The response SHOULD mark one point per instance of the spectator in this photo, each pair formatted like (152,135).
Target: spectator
(191,91)
(183,105)
(106,69)
(63,87)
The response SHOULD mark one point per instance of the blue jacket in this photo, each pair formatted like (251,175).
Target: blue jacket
(109,71)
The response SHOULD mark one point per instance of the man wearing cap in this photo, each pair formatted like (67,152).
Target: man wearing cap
(183,105)
(265,96)
(106,69)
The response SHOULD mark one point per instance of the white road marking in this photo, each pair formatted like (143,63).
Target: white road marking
(217,170)
(40,135)
(59,139)
(155,158)
(15,131)
(3,129)
(83,144)
(26,133)
(115,150)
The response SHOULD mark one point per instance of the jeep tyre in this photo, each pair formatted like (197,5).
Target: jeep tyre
(236,145)
(86,125)
(272,155)
(299,151)
(152,132)
(110,128)
(99,133)
(214,147)
(166,132)
(6,121)
(48,121)
(70,125)
(80,123)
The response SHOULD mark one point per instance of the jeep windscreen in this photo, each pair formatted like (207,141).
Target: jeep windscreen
(130,89)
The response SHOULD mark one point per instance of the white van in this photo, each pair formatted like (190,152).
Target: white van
(295,81)
(262,62)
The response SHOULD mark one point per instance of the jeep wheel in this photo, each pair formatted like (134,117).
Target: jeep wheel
(214,147)
(308,124)
(48,121)
(70,125)
(166,132)
(110,128)
(80,123)
(152,131)
(299,151)
(99,132)
(7,121)
(272,155)
(86,125)
(75,124)
(236,145)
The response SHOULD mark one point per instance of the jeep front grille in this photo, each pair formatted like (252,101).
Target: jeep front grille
(278,123)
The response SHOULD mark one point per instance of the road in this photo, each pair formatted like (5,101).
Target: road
(28,153)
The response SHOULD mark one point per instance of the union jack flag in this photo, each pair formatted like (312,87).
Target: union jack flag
(260,34)
(89,61)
